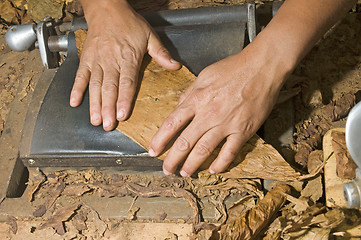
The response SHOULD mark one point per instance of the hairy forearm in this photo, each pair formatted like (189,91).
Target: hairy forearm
(298,25)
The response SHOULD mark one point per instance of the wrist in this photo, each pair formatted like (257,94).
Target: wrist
(270,60)
(94,9)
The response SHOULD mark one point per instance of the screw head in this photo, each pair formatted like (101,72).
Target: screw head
(119,161)
(31,161)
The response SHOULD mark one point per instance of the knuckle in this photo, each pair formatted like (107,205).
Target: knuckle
(171,123)
(202,150)
(95,83)
(197,96)
(126,82)
(110,86)
(247,128)
(229,156)
(168,165)
(182,144)
(128,53)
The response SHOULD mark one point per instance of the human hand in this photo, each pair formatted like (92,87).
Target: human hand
(116,42)
(228,101)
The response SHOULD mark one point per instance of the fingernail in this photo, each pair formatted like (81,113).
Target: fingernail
(72,102)
(107,123)
(172,60)
(152,153)
(166,172)
(211,171)
(94,118)
(184,173)
(120,114)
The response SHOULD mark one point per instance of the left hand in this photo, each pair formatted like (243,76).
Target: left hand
(228,101)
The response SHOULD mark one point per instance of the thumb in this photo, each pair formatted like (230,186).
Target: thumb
(160,54)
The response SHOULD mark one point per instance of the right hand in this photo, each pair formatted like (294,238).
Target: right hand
(113,51)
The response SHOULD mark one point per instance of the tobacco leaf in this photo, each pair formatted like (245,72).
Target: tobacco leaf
(254,221)
(35,180)
(38,10)
(341,107)
(59,217)
(99,226)
(131,215)
(40,211)
(79,220)
(80,36)
(55,193)
(309,234)
(309,137)
(275,229)
(299,204)
(345,166)
(75,190)
(13,226)
(260,160)
(240,207)
(7,11)
(330,219)
(314,187)
(307,223)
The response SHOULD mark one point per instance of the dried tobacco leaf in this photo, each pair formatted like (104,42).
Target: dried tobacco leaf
(299,204)
(40,211)
(131,215)
(310,234)
(345,166)
(35,180)
(13,226)
(251,224)
(59,217)
(307,223)
(7,11)
(76,190)
(341,107)
(38,10)
(79,221)
(55,193)
(260,160)
(314,187)
(99,226)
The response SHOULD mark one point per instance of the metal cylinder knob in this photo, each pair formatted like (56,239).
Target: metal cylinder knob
(21,37)
(352,191)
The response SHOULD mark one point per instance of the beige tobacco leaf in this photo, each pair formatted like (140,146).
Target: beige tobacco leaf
(260,160)
(59,217)
(309,234)
(38,10)
(314,187)
(345,166)
(7,11)
(251,224)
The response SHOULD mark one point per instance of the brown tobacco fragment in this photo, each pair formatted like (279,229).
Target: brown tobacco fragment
(314,187)
(341,107)
(254,221)
(60,216)
(13,226)
(80,36)
(345,166)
